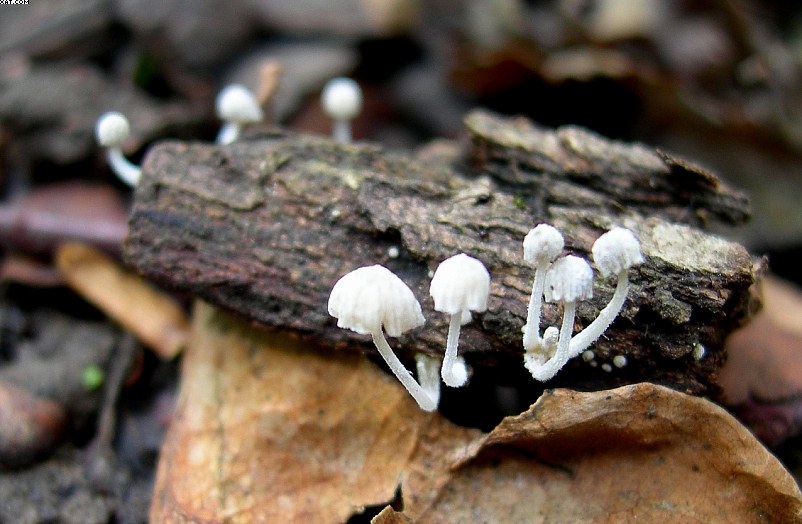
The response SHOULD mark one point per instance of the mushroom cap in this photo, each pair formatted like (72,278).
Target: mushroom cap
(569,279)
(460,283)
(616,251)
(370,297)
(112,129)
(341,98)
(542,244)
(236,104)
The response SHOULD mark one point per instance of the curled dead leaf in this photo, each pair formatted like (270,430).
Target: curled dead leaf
(268,429)
(18,267)
(762,378)
(390,516)
(640,452)
(39,221)
(150,314)
(765,357)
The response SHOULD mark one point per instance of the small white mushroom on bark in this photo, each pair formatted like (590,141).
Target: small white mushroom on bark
(371,299)
(428,368)
(569,280)
(342,101)
(548,344)
(111,131)
(460,284)
(236,106)
(614,253)
(429,373)
(541,246)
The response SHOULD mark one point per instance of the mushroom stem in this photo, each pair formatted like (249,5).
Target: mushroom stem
(555,363)
(423,399)
(534,360)
(532,339)
(450,358)
(429,375)
(122,167)
(593,331)
(228,133)
(341,131)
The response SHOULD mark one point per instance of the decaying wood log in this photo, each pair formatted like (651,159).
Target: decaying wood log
(267,225)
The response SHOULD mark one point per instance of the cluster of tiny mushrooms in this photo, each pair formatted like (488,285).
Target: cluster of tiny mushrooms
(372,300)
(237,107)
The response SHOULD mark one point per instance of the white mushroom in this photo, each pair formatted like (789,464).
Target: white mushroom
(111,131)
(236,106)
(342,101)
(373,298)
(548,343)
(614,253)
(569,280)
(541,246)
(429,375)
(460,284)
(534,360)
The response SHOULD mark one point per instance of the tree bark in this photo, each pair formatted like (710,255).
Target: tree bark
(267,225)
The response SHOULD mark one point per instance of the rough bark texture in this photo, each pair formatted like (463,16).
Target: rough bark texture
(266,226)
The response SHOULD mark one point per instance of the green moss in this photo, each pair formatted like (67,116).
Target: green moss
(519,202)
(92,377)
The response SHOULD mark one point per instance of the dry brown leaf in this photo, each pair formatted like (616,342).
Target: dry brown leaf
(762,378)
(782,302)
(151,315)
(269,78)
(765,356)
(641,452)
(19,267)
(40,220)
(269,430)
(29,425)
(390,516)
